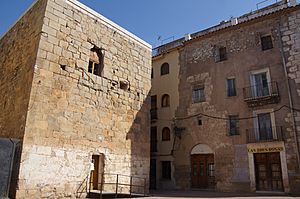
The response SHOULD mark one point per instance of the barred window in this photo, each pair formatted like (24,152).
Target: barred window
(233,125)
(231,90)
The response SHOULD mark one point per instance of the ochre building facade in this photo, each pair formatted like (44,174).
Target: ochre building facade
(237,120)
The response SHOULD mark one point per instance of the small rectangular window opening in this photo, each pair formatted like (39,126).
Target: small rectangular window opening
(233,125)
(96,62)
(231,89)
(63,67)
(222,54)
(199,121)
(266,42)
(198,94)
(166,170)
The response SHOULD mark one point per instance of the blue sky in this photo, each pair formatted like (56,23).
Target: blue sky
(149,19)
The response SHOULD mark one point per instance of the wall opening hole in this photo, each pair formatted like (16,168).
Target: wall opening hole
(124,85)
(63,67)
(199,121)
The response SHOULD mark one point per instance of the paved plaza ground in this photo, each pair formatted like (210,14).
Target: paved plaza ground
(208,195)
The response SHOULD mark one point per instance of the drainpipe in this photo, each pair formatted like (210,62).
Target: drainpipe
(289,95)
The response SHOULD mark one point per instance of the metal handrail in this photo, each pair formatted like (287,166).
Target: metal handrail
(260,90)
(118,183)
(81,188)
(274,133)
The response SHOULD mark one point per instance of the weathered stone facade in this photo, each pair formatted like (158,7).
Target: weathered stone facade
(64,114)
(233,155)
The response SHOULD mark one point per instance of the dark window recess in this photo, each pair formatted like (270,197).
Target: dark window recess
(233,125)
(165,100)
(199,122)
(198,94)
(266,42)
(164,69)
(153,102)
(231,90)
(153,139)
(96,62)
(166,134)
(152,75)
(153,110)
(222,54)
(166,170)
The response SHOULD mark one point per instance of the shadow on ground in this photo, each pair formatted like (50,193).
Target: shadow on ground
(212,194)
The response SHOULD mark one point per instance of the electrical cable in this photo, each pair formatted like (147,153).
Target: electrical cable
(224,118)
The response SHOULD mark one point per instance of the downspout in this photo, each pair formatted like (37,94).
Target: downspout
(289,94)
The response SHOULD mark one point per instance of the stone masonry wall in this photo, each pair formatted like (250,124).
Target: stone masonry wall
(18,50)
(291,47)
(76,114)
(199,67)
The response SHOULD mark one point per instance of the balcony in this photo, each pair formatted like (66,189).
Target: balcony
(259,95)
(153,115)
(270,134)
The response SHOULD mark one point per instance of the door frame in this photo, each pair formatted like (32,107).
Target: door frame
(267,163)
(283,162)
(199,149)
(99,169)
(206,169)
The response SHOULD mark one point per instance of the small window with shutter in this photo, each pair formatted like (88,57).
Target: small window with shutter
(96,61)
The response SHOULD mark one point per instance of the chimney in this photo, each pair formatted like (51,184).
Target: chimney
(187,37)
(234,21)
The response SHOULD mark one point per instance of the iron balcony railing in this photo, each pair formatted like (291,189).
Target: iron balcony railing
(261,91)
(266,134)
(261,94)
(153,114)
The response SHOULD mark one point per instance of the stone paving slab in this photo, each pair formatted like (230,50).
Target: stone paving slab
(208,195)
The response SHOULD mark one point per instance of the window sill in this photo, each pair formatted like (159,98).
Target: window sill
(265,50)
(230,97)
(199,102)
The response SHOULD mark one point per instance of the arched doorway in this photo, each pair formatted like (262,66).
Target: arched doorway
(202,167)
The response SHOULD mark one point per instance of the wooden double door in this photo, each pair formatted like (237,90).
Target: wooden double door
(202,171)
(268,172)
